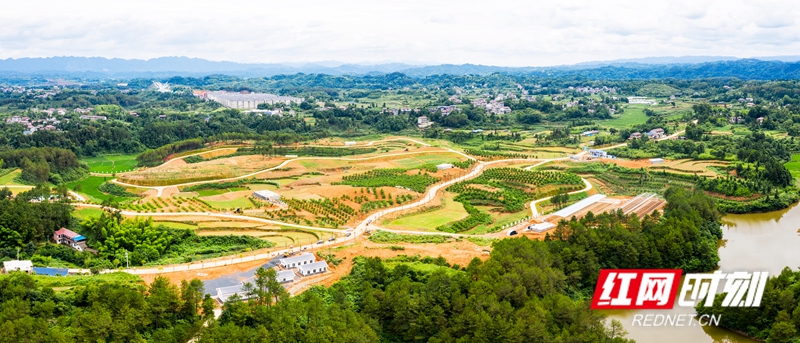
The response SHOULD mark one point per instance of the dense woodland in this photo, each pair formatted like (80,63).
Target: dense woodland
(776,320)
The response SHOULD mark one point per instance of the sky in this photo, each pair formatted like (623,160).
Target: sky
(496,32)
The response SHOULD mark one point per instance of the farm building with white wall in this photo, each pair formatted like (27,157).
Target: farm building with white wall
(296,261)
(18,266)
(285,276)
(313,268)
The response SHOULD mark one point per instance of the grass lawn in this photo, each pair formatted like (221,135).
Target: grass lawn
(230,204)
(89,188)
(794,165)
(428,221)
(85,213)
(110,163)
(210,192)
(632,115)
(8,179)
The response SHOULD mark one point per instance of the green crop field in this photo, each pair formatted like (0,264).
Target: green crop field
(110,163)
(429,221)
(631,116)
(794,165)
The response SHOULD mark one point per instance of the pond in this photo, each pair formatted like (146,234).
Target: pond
(751,242)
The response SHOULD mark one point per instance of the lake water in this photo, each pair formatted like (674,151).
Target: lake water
(751,242)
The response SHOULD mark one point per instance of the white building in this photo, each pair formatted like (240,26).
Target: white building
(656,160)
(225,293)
(444,166)
(568,211)
(423,122)
(22,266)
(267,195)
(296,261)
(285,276)
(541,227)
(313,268)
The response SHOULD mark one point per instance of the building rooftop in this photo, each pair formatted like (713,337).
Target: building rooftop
(285,274)
(51,271)
(566,212)
(70,234)
(314,265)
(15,265)
(298,258)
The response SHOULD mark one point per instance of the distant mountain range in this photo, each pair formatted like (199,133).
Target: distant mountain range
(776,67)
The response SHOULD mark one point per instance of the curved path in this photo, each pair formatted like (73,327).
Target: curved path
(535,212)
(360,229)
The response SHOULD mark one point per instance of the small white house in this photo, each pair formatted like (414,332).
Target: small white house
(656,160)
(21,266)
(349,143)
(444,166)
(313,268)
(297,261)
(285,276)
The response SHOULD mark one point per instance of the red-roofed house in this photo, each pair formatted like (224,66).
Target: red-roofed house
(70,238)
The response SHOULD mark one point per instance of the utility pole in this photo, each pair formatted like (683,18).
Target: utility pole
(127,264)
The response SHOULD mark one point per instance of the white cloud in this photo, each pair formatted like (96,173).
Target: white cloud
(498,32)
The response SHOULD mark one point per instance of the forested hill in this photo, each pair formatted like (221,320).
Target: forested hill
(100,68)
